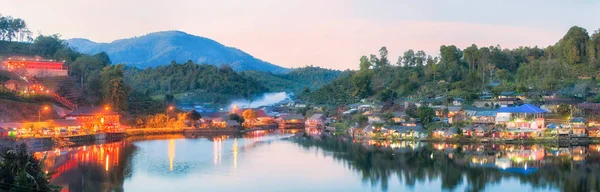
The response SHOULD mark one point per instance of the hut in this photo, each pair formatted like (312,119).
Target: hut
(578,126)
(317,119)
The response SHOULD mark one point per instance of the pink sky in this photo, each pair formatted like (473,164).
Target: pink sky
(296,33)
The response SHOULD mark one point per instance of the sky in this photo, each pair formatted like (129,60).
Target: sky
(325,33)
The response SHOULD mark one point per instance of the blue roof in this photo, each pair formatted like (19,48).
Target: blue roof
(485,113)
(526,108)
(578,120)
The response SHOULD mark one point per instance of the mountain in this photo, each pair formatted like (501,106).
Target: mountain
(160,48)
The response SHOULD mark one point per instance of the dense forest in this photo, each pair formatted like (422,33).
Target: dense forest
(296,80)
(221,83)
(570,68)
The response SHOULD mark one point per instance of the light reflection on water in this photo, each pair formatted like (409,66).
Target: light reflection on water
(265,161)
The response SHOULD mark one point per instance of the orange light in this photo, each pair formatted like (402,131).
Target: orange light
(106,108)
(46,108)
(171,108)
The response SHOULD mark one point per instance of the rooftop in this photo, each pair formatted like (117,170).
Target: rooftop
(91,111)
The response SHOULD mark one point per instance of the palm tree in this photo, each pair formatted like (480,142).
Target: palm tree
(20,170)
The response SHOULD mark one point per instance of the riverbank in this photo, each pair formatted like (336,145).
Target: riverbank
(540,140)
(41,143)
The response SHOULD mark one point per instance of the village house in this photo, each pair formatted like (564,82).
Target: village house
(367,131)
(594,131)
(486,104)
(508,94)
(375,118)
(552,104)
(482,116)
(589,108)
(96,118)
(578,126)
(475,130)
(316,120)
(509,102)
(261,117)
(399,117)
(458,101)
(451,132)
(416,132)
(522,121)
(291,121)
(438,132)
(232,124)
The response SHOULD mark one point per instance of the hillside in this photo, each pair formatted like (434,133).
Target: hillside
(568,69)
(160,48)
(205,82)
(295,80)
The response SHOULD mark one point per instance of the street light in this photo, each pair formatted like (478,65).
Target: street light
(40,113)
(170,108)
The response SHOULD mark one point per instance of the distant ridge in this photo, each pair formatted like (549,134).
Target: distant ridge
(160,48)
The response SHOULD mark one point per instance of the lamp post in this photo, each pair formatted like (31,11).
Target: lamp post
(40,113)
(169,108)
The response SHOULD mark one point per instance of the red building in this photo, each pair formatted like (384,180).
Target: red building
(36,66)
(96,118)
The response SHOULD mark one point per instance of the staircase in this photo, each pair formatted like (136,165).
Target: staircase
(67,89)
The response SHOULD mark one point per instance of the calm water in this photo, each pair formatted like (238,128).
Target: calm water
(273,162)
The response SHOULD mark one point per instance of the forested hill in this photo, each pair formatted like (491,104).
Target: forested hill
(569,68)
(160,48)
(207,82)
(296,80)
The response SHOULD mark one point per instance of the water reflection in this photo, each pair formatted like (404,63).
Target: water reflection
(472,167)
(249,161)
(171,153)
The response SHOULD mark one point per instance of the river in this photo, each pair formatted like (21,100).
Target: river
(272,161)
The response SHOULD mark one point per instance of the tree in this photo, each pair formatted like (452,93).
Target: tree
(13,28)
(450,54)
(409,58)
(169,98)
(374,60)
(362,120)
(399,62)
(21,171)
(425,114)
(236,117)
(362,84)
(574,45)
(341,128)
(472,55)
(411,110)
(387,95)
(594,49)
(193,116)
(249,115)
(564,111)
(420,58)
(383,60)
(115,92)
(388,118)
(365,64)
(47,46)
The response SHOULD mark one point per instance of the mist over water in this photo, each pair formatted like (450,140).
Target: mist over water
(264,100)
